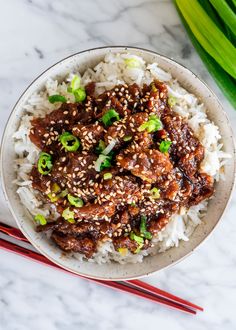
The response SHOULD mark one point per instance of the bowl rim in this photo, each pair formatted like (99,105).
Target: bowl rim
(4,184)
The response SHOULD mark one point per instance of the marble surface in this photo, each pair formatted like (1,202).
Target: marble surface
(35,34)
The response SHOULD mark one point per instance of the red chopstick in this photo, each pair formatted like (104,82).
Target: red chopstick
(13,232)
(9,246)
(150,291)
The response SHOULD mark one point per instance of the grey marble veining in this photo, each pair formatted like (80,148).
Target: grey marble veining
(35,34)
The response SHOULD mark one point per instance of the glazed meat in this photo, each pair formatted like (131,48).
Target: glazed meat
(116,166)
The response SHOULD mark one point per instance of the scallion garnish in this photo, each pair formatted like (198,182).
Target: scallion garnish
(75,83)
(40,219)
(44,163)
(110,116)
(74,200)
(132,62)
(138,240)
(155,193)
(107,176)
(152,125)
(74,88)
(102,162)
(172,100)
(123,251)
(127,138)
(69,141)
(80,95)
(53,197)
(101,146)
(68,215)
(164,146)
(57,98)
(143,228)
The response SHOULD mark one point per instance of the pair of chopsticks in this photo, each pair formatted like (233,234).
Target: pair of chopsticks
(135,287)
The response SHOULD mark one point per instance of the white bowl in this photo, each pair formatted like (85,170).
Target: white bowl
(150,264)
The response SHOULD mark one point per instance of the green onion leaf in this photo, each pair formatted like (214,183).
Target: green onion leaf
(155,193)
(132,63)
(57,98)
(44,163)
(80,95)
(226,13)
(110,116)
(69,141)
(172,101)
(127,138)
(101,146)
(75,83)
(123,251)
(40,219)
(143,228)
(138,240)
(63,193)
(68,215)
(107,176)
(102,162)
(74,200)
(225,82)
(53,197)
(165,146)
(202,26)
(152,125)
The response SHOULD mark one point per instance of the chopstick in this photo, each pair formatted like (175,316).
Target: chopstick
(134,287)
(9,246)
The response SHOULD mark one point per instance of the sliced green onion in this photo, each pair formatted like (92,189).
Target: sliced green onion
(68,215)
(57,98)
(152,125)
(71,220)
(155,193)
(110,116)
(101,146)
(40,219)
(80,94)
(74,88)
(172,100)
(107,176)
(127,138)
(109,147)
(123,251)
(143,228)
(74,200)
(165,146)
(63,193)
(102,162)
(69,141)
(55,188)
(138,240)
(132,62)
(53,197)
(44,163)
(154,88)
(75,83)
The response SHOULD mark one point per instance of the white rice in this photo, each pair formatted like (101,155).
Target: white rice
(108,73)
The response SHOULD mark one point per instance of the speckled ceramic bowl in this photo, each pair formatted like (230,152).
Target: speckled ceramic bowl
(150,264)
